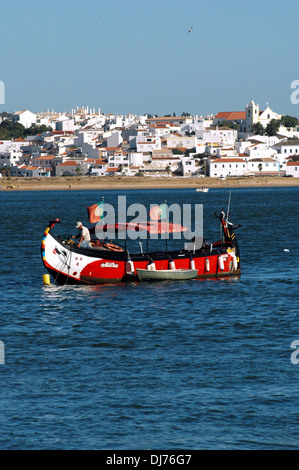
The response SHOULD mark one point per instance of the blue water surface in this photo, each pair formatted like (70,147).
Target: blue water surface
(201,364)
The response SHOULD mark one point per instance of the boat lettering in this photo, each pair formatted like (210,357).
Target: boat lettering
(109,265)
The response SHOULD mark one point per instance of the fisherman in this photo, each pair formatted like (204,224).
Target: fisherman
(84,236)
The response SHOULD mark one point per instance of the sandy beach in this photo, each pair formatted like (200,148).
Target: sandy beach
(122,182)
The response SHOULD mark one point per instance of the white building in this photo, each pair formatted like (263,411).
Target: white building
(117,159)
(197,124)
(292,169)
(135,159)
(146,143)
(99,169)
(114,139)
(26,118)
(260,150)
(30,171)
(163,164)
(11,151)
(188,166)
(221,135)
(263,166)
(65,124)
(223,167)
(287,148)
(174,120)
(184,141)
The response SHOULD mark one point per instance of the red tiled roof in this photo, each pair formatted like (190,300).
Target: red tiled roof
(68,163)
(231,115)
(44,157)
(228,160)
(61,132)
(143,142)
(112,170)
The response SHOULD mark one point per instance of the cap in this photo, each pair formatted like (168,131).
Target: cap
(78,224)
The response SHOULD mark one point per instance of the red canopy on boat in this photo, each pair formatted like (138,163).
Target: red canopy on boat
(152,227)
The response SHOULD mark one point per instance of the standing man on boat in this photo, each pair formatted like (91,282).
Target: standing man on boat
(84,236)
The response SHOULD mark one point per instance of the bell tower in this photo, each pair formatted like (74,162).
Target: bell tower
(252,115)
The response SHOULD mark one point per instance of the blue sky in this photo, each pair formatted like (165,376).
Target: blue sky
(136,56)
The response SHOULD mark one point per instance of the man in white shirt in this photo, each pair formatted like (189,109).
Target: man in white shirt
(84,235)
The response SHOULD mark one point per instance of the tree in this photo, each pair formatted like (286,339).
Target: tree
(4,134)
(5,170)
(289,122)
(35,129)
(260,166)
(13,130)
(168,169)
(272,127)
(230,124)
(258,129)
(78,170)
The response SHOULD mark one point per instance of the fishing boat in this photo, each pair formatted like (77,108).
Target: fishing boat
(202,190)
(110,262)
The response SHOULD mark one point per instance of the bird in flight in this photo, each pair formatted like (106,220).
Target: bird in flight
(190,29)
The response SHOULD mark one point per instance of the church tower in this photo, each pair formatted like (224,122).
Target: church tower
(252,115)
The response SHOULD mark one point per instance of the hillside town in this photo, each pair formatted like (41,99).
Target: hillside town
(86,142)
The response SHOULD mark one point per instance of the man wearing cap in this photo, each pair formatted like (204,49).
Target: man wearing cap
(84,236)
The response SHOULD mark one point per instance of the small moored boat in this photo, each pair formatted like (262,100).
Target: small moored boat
(166,274)
(202,190)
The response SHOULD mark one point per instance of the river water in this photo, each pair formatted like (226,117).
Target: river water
(201,364)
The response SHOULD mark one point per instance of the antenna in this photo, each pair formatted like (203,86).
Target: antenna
(228,206)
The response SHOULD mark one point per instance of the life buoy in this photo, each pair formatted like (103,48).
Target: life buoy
(113,247)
